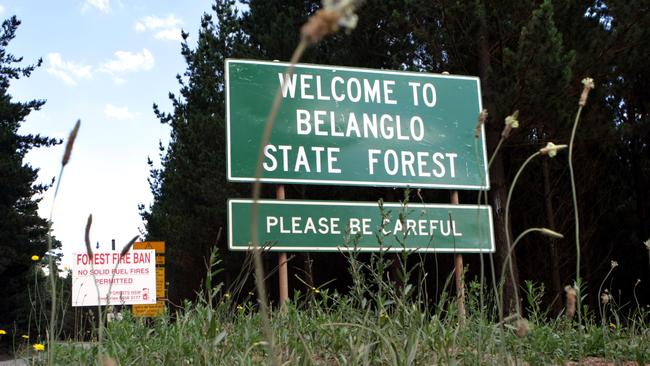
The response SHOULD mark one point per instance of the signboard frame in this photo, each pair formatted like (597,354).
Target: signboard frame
(484,181)
(86,291)
(489,229)
(158,308)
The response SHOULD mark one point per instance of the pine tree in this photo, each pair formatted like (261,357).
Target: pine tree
(530,55)
(190,190)
(23,233)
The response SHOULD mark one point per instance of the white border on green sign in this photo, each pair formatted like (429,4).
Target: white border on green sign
(281,248)
(485,186)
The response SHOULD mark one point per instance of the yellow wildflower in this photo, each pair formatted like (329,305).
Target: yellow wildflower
(38,347)
(512,121)
(35,258)
(315,290)
(226,295)
(3,332)
(240,308)
(24,336)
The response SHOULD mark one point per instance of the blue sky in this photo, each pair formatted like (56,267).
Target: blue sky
(104,62)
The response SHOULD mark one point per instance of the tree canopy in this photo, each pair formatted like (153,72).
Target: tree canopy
(530,55)
(23,233)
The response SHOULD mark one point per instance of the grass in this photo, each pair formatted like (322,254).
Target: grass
(337,329)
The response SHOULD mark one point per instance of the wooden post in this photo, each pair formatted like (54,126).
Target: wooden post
(458,273)
(458,265)
(283,276)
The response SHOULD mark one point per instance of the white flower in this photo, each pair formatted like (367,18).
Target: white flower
(551,149)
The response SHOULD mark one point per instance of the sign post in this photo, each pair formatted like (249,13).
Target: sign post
(283,275)
(458,272)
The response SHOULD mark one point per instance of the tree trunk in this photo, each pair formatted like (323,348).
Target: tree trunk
(498,192)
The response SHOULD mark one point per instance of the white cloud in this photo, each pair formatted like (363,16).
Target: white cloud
(171,34)
(167,29)
(129,61)
(2,9)
(102,5)
(153,22)
(119,113)
(118,80)
(67,71)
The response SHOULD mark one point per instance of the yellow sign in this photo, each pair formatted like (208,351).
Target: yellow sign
(160,282)
(150,310)
(158,308)
(158,246)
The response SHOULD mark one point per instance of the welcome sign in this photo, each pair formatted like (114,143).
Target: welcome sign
(351,126)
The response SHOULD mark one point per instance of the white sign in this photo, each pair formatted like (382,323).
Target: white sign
(107,278)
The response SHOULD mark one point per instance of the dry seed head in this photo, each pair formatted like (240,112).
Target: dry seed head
(108,361)
(70,143)
(647,244)
(346,8)
(588,85)
(613,264)
(551,149)
(128,246)
(605,297)
(551,233)
(523,327)
(511,122)
(89,248)
(334,14)
(571,296)
(321,24)
(481,121)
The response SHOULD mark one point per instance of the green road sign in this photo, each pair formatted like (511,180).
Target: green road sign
(331,226)
(350,126)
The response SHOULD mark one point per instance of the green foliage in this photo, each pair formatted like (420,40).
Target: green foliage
(23,233)
(190,190)
(336,328)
